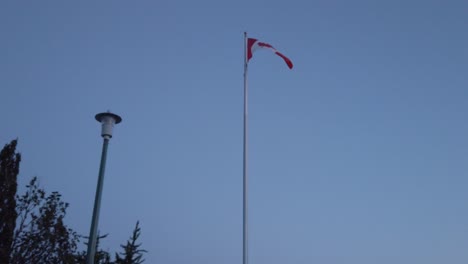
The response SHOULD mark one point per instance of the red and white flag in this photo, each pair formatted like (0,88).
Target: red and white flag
(254,44)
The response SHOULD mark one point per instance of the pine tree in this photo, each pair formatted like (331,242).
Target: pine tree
(101,256)
(9,169)
(132,254)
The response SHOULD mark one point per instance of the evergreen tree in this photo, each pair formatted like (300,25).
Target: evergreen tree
(101,256)
(9,169)
(132,253)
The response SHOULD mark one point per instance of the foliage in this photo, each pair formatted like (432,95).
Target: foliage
(9,169)
(132,253)
(32,227)
(42,236)
(101,256)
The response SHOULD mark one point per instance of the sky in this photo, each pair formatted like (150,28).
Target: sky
(357,155)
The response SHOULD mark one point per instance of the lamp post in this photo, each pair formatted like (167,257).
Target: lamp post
(108,120)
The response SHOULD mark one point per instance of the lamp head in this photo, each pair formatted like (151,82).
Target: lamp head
(108,120)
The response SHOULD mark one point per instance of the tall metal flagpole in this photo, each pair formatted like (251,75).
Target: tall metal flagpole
(244,207)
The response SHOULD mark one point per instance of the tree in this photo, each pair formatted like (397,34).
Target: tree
(42,236)
(32,226)
(101,256)
(132,253)
(9,169)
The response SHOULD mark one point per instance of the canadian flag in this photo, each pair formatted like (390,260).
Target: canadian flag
(254,44)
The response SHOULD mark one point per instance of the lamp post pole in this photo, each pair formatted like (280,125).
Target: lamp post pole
(108,120)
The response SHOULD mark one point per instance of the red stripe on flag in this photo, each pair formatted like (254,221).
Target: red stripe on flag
(265,45)
(250,42)
(286,59)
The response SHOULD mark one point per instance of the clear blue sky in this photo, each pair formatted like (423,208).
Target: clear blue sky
(359,155)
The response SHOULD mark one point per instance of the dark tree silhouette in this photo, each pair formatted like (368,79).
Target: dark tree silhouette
(9,169)
(101,256)
(32,227)
(132,253)
(42,236)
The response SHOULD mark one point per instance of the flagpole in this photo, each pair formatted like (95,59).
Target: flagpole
(244,189)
